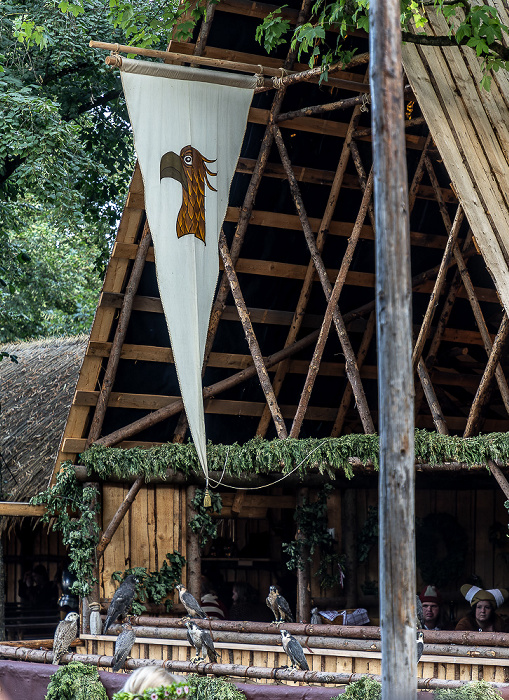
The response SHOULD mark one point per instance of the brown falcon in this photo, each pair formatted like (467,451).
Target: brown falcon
(279,606)
(123,645)
(190,170)
(201,640)
(65,633)
(190,603)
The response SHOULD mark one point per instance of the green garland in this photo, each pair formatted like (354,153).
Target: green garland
(258,456)
(369,689)
(76,682)
(163,692)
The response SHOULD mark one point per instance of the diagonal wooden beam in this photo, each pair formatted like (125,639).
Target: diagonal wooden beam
(118,340)
(351,368)
(438,287)
(431,398)
(348,393)
(307,285)
(469,288)
(252,342)
(483,393)
(246,211)
(332,303)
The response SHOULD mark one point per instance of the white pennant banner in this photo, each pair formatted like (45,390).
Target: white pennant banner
(188,132)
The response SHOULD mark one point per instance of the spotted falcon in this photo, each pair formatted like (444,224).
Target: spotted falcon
(294,651)
(190,603)
(201,640)
(279,606)
(65,633)
(121,601)
(420,645)
(123,645)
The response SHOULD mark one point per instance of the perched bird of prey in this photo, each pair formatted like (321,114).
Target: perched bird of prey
(315,617)
(420,645)
(419,612)
(190,170)
(294,651)
(190,603)
(65,633)
(279,606)
(201,640)
(121,601)
(123,645)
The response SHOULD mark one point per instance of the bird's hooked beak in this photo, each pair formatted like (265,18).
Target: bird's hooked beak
(171,166)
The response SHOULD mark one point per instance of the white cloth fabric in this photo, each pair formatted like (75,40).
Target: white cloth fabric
(167,114)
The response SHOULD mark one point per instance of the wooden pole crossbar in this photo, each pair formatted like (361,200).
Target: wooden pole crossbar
(332,303)
(305,292)
(118,340)
(234,670)
(351,368)
(254,348)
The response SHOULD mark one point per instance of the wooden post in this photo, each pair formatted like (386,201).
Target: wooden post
(193,549)
(2,589)
(349,544)
(303,586)
(395,376)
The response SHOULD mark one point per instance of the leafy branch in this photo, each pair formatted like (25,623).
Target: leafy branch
(154,586)
(311,519)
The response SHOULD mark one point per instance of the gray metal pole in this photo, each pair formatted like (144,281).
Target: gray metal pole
(395,377)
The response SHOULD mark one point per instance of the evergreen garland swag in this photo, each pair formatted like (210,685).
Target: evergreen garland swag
(259,456)
(76,681)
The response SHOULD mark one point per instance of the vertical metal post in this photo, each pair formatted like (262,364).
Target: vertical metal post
(395,377)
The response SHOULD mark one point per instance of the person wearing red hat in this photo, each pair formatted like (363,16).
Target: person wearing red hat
(482,617)
(432,609)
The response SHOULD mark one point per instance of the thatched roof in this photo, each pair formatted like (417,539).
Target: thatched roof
(36,395)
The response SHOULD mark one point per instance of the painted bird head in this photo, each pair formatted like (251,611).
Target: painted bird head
(187,167)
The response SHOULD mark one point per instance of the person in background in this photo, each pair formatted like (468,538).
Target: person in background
(246,604)
(482,617)
(149,677)
(210,602)
(433,609)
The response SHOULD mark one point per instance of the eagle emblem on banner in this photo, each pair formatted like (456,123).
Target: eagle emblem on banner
(190,170)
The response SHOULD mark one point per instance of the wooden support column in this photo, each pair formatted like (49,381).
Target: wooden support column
(484,389)
(307,285)
(351,368)
(254,348)
(303,581)
(118,340)
(94,594)
(193,548)
(349,545)
(395,376)
(332,303)
(2,589)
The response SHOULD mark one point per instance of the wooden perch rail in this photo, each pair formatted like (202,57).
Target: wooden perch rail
(235,670)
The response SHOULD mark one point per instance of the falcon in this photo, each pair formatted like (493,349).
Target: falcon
(201,640)
(315,617)
(190,170)
(420,645)
(65,633)
(123,645)
(121,601)
(190,603)
(279,606)
(294,651)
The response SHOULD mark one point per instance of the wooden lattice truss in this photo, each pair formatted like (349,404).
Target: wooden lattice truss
(448,398)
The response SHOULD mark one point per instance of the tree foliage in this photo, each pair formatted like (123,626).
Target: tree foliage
(65,162)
